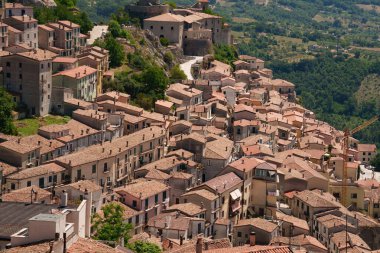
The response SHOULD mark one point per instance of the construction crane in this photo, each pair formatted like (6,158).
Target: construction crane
(347,135)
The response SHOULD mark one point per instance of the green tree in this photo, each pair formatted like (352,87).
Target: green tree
(114,28)
(155,80)
(375,162)
(115,49)
(6,107)
(164,41)
(144,247)
(110,226)
(177,74)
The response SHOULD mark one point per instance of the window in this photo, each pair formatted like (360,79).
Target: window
(156,198)
(146,203)
(105,167)
(13,186)
(238,131)
(151,145)
(164,195)
(50,179)
(93,168)
(134,203)
(162,28)
(354,195)
(42,66)
(172,28)
(8,75)
(223,200)
(29,183)
(20,65)
(239,234)
(8,64)
(369,153)
(20,76)
(151,27)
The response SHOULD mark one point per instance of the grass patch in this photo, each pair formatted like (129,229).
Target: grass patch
(320,18)
(369,7)
(30,126)
(243,20)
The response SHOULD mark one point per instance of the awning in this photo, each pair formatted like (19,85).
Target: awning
(235,194)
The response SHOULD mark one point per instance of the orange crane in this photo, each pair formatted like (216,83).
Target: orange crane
(347,134)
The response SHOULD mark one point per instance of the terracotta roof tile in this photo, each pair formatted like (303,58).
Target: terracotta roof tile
(143,189)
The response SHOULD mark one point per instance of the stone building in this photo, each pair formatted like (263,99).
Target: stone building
(29,75)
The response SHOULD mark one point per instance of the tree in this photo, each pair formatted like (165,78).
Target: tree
(110,226)
(6,107)
(155,80)
(144,247)
(114,28)
(177,74)
(375,162)
(115,49)
(164,41)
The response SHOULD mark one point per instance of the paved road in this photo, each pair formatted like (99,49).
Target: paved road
(186,67)
(97,32)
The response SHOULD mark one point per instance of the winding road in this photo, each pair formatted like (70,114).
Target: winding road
(186,66)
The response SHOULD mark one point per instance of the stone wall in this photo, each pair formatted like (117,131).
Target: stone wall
(197,47)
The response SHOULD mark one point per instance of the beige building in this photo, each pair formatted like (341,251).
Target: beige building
(168,25)
(366,152)
(28,26)
(114,163)
(4,36)
(97,58)
(29,75)
(81,80)
(17,9)
(63,38)
(42,176)
(20,154)
(264,231)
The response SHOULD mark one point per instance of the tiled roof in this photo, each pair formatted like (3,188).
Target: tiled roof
(21,148)
(367,147)
(143,189)
(77,130)
(45,169)
(167,17)
(189,209)
(38,54)
(246,164)
(36,248)
(180,153)
(211,245)
(7,168)
(24,195)
(218,149)
(300,240)
(258,223)
(202,193)
(98,152)
(315,200)
(65,59)
(171,221)
(223,183)
(256,149)
(339,239)
(45,144)
(294,220)
(245,122)
(157,174)
(84,185)
(252,249)
(77,73)
(85,245)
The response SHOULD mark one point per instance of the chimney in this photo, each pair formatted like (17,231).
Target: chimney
(173,160)
(242,161)
(199,245)
(181,240)
(252,239)
(50,143)
(64,199)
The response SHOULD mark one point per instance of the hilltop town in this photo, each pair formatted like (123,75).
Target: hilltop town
(228,161)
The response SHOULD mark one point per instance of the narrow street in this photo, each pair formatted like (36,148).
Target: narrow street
(186,67)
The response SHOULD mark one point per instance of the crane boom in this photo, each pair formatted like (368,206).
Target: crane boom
(347,134)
